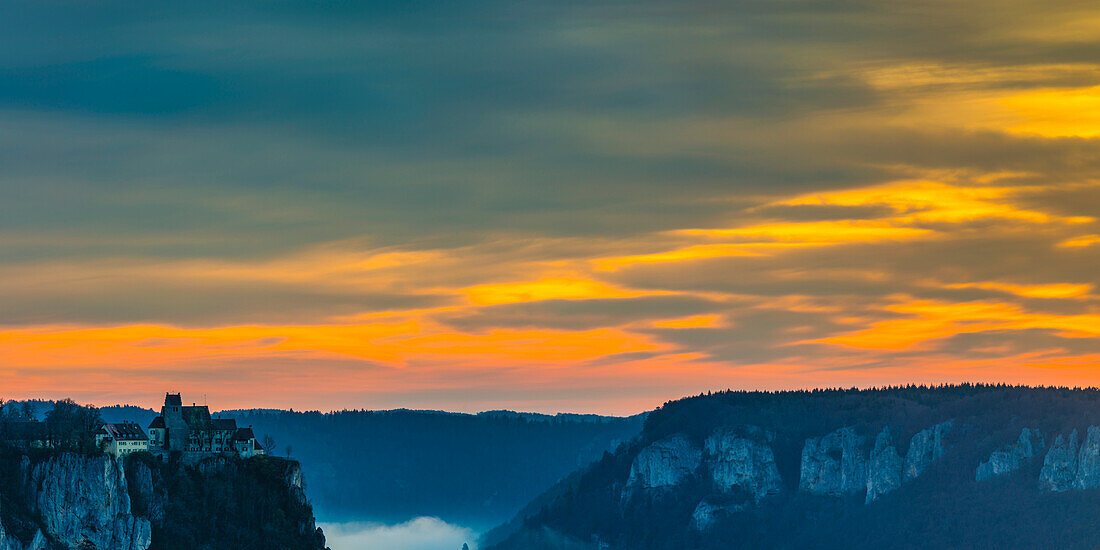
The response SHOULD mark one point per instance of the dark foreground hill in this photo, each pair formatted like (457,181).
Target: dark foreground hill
(912,467)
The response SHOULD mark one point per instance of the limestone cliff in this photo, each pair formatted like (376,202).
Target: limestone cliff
(707,513)
(1012,457)
(1068,466)
(1088,461)
(84,500)
(665,463)
(834,464)
(1060,464)
(884,467)
(69,500)
(925,447)
(837,465)
(743,461)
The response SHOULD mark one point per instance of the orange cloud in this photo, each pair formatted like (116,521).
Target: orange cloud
(1081,241)
(927,320)
(550,288)
(1056,290)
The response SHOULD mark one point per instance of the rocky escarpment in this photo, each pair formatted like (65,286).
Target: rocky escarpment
(837,464)
(884,467)
(69,501)
(740,459)
(1060,464)
(73,501)
(665,463)
(834,464)
(1012,457)
(1067,466)
(924,449)
(85,500)
(1088,461)
(927,482)
(741,466)
(744,461)
(739,463)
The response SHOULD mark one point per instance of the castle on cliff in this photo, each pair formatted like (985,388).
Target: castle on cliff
(192,430)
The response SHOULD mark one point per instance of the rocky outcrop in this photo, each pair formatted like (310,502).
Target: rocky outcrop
(1088,461)
(924,449)
(665,463)
(834,465)
(84,500)
(743,460)
(1012,457)
(884,467)
(707,514)
(1060,464)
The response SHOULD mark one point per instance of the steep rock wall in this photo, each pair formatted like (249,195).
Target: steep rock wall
(1060,464)
(1012,457)
(665,463)
(884,467)
(924,449)
(743,461)
(83,500)
(834,464)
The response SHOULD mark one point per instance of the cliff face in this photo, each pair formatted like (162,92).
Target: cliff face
(739,463)
(1067,466)
(1060,464)
(743,461)
(1088,461)
(837,464)
(665,463)
(73,501)
(924,449)
(1012,457)
(63,501)
(834,464)
(734,460)
(85,500)
(884,467)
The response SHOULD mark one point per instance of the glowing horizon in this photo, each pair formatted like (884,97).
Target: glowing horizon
(545,209)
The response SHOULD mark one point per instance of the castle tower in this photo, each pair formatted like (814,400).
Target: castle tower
(178,431)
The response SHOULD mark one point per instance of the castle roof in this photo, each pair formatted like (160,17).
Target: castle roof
(173,399)
(197,417)
(225,424)
(244,434)
(157,422)
(125,431)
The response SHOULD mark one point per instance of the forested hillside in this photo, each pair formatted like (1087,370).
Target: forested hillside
(476,470)
(888,468)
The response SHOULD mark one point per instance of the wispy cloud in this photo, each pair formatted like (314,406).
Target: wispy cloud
(545,206)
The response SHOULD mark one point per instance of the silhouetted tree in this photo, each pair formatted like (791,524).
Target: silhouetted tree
(268,443)
(71,427)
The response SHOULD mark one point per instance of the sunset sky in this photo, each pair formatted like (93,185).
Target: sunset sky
(546,206)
